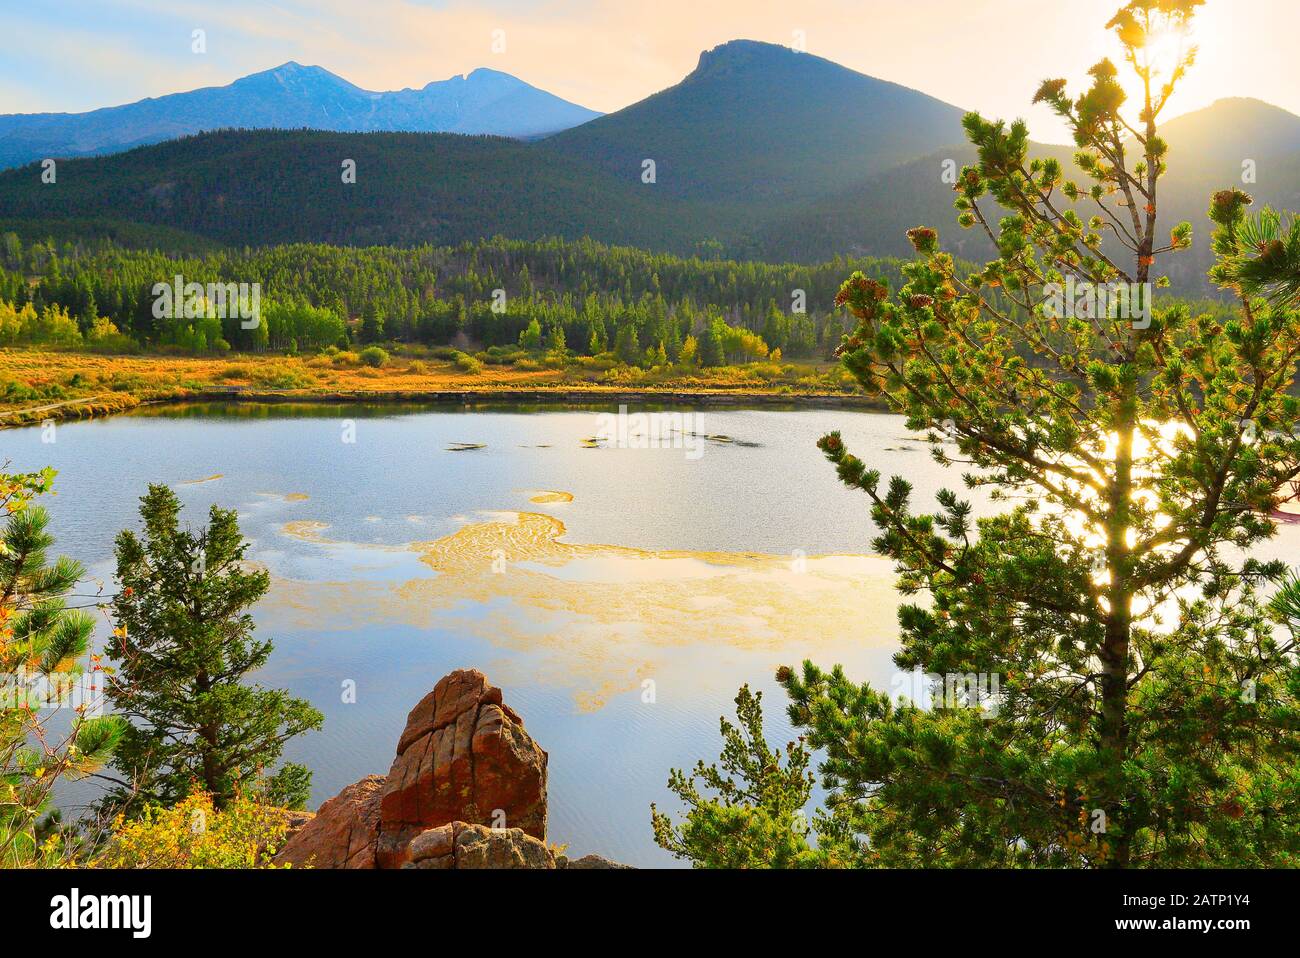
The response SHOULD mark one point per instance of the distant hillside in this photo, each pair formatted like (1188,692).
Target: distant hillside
(1207,151)
(293,96)
(760,122)
(761,153)
(267,186)
(753,134)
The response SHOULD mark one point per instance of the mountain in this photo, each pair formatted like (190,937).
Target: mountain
(1207,152)
(761,152)
(293,96)
(1222,136)
(757,122)
(755,132)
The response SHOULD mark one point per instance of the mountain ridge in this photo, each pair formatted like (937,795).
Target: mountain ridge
(812,122)
(838,163)
(293,96)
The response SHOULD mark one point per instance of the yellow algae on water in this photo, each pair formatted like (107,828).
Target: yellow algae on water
(286,496)
(307,530)
(600,619)
(545,496)
(198,482)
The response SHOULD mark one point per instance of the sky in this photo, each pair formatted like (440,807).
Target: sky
(76,55)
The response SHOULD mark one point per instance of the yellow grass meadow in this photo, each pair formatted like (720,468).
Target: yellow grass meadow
(41,385)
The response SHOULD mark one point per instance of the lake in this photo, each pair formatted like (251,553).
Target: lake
(619,595)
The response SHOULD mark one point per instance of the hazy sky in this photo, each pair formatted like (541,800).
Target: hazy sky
(76,55)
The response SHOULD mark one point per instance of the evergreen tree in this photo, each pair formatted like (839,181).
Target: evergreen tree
(776,327)
(711,350)
(555,341)
(42,643)
(531,338)
(1260,255)
(185,645)
(372,324)
(1146,712)
(626,347)
(755,817)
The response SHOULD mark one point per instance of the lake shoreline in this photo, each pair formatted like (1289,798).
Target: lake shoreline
(93,408)
(508,395)
(39,386)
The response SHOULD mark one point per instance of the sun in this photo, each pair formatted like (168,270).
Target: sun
(1165,49)
(1212,35)
(1161,55)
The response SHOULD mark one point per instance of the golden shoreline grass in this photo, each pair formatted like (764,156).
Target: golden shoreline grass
(42,385)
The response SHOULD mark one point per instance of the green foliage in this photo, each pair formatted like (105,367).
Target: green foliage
(42,643)
(531,338)
(581,292)
(626,348)
(1259,255)
(711,351)
(740,345)
(1146,710)
(51,326)
(373,356)
(755,816)
(556,342)
(372,323)
(467,364)
(301,325)
(185,646)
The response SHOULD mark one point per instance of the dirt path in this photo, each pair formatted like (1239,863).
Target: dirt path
(37,410)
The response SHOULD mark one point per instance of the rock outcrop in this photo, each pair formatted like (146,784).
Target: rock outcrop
(588,863)
(463,757)
(343,832)
(467,789)
(460,845)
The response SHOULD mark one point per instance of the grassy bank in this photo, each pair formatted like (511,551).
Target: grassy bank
(38,386)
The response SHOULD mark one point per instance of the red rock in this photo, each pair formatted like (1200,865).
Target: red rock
(464,756)
(343,833)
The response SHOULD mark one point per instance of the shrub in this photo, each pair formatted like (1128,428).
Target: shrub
(194,834)
(374,356)
(468,364)
(502,355)
(282,377)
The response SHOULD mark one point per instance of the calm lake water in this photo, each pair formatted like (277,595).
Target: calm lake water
(619,596)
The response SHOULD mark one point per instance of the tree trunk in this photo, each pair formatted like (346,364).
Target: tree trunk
(1114,655)
(208,751)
